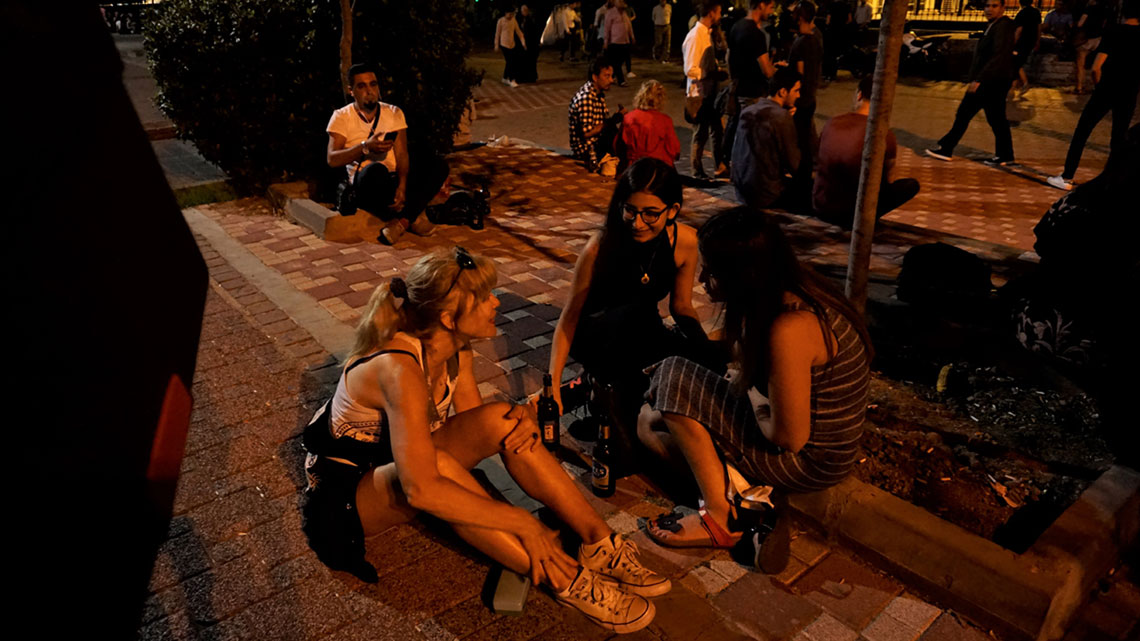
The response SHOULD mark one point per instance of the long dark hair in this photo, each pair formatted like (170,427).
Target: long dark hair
(648,175)
(753,265)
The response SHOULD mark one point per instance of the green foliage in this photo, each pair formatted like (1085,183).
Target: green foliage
(252,83)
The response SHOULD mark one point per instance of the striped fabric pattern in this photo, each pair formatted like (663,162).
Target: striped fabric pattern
(838,404)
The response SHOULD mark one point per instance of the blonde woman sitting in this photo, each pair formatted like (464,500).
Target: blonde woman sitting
(407,423)
(647,131)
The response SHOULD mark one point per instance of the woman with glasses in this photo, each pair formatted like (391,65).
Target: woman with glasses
(790,415)
(610,324)
(406,425)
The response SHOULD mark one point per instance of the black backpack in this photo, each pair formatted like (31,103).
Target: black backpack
(942,276)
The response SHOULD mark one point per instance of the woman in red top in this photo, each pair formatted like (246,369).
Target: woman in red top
(647,131)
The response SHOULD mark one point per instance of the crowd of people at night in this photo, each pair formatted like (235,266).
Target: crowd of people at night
(777,395)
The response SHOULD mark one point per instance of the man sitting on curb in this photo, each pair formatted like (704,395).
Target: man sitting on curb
(371,138)
(766,152)
(840,162)
(592,130)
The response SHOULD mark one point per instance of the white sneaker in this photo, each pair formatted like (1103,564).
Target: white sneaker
(513,84)
(606,604)
(616,557)
(1060,183)
(505,81)
(631,75)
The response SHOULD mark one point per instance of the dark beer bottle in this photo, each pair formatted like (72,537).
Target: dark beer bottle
(603,482)
(548,415)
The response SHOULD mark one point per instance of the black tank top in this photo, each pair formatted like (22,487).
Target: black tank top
(629,272)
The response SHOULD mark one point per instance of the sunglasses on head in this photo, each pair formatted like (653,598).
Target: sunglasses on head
(648,216)
(465,261)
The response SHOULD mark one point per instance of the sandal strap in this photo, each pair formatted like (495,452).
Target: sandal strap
(717,534)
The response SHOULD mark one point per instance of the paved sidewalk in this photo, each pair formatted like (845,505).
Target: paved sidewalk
(236,565)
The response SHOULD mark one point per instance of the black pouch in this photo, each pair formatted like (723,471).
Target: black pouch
(345,199)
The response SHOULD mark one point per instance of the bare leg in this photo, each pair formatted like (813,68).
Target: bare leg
(697,446)
(381,504)
(475,435)
(1081,54)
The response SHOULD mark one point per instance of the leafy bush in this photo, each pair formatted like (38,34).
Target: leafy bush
(252,83)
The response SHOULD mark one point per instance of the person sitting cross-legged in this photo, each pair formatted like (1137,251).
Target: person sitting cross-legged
(407,423)
(370,138)
(790,412)
(592,129)
(840,164)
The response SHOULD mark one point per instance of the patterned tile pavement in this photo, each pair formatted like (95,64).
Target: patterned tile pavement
(236,564)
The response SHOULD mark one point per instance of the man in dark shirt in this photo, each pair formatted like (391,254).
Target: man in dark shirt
(1090,28)
(750,64)
(991,74)
(840,164)
(806,57)
(1026,33)
(766,151)
(1116,71)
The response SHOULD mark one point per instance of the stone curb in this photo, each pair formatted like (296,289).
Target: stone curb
(333,335)
(1034,595)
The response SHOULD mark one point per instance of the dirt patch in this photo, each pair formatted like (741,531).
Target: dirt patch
(991,453)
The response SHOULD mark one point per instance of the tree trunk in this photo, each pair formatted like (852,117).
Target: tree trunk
(345,40)
(874,150)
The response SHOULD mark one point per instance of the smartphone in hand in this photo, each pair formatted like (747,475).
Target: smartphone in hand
(391,135)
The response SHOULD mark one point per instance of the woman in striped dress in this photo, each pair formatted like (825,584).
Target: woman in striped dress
(790,416)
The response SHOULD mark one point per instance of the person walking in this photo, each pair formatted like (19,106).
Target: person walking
(749,64)
(1026,35)
(618,30)
(662,30)
(806,56)
(1117,78)
(991,75)
(506,30)
(702,75)
(1090,28)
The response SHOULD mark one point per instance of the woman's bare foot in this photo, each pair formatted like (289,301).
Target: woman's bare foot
(699,530)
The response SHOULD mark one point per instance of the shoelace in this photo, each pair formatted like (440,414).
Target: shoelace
(599,593)
(625,556)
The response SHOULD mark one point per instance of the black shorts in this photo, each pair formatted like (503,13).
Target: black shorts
(329,517)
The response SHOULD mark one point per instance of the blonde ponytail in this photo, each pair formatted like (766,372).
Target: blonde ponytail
(380,321)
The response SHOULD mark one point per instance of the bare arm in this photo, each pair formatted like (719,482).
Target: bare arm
(681,300)
(1098,63)
(568,320)
(796,342)
(766,65)
(338,155)
(401,381)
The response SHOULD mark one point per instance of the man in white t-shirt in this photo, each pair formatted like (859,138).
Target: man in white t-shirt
(370,139)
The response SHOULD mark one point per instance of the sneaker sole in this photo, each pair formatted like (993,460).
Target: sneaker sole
(937,156)
(621,628)
(646,591)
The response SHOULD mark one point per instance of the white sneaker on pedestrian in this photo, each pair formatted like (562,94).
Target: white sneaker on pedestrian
(506,82)
(616,557)
(631,75)
(938,153)
(1060,183)
(513,84)
(605,603)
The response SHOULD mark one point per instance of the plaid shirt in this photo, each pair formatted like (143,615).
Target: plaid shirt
(587,110)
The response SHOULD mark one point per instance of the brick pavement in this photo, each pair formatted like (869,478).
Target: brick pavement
(236,564)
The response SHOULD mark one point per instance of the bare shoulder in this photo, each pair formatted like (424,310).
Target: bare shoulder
(686,243)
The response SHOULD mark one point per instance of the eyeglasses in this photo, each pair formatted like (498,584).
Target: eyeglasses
(464,259)
(648,216)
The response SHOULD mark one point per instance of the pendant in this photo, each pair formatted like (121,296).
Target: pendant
(645,278)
